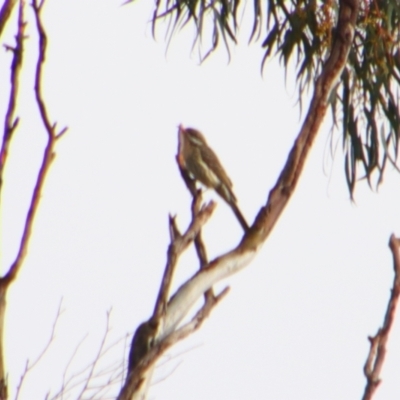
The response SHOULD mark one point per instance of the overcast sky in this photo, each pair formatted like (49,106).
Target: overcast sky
(296,321)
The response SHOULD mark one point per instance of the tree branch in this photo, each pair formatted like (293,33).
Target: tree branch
(377,352)
(154,334)
(146,333)
(10,121)
(48,156)
(196,203)
(30,365)
(280,194)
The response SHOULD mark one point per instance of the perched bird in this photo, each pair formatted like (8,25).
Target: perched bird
(196,157)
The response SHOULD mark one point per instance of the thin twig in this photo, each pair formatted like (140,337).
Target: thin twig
(65,383)
(29,366)
(84,379)
(99,353)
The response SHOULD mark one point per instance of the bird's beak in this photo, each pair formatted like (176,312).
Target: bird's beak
(181,140)
(181,131)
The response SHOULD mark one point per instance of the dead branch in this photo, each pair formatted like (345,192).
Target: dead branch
(10,120)
(48,156)
(200,247)
(196,204)
(157,334)
(94,380)
(10,124)
(239,257)
(179,243)
(145,334)
(29,366)
(138,377)
(99,352)
(377,352)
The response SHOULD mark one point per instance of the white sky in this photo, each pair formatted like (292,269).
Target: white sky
(296,321)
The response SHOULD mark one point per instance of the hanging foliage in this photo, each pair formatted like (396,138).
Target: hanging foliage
(365,102)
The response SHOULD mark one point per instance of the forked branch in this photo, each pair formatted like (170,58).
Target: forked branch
(48,156)
(155,335)
(147,344)
(9,128)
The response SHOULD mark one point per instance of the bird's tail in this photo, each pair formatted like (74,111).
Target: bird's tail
(239,215)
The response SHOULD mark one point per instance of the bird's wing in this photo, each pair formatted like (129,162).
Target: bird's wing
(223,184)
(210,158)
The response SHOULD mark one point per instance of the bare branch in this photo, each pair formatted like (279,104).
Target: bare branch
(377,352)
(175,249)
(29,366)
(159,333)
(10,120)
(137,377)
(196,204)
(10,124)
(143,339)
(48,155)
(199,245)
(92,382)
(99,352)
(65,382)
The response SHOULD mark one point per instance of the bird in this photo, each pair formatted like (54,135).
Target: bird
(199,160)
